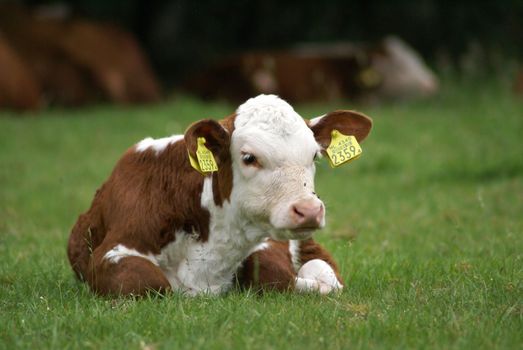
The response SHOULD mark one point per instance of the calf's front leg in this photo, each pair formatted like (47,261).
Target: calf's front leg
(272,268)
(317,276)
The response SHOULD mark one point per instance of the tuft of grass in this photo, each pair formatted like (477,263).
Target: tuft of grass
(427,228)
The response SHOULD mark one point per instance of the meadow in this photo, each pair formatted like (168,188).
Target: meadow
(427,227)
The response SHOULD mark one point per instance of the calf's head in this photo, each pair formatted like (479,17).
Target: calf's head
(269,153)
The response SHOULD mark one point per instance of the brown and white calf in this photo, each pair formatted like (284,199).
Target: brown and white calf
(158,224)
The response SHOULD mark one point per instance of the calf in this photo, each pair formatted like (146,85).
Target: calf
(158,224)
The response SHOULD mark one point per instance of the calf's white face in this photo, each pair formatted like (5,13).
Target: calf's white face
(271,151)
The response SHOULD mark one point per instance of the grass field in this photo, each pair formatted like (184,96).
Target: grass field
(427,227)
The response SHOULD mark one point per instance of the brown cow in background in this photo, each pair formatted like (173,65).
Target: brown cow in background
(322,72)
(73,61)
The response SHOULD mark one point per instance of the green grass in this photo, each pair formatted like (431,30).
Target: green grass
(427,227)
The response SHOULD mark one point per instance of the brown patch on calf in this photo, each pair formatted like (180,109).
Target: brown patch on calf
(222,183)
(222,179)
(159,194)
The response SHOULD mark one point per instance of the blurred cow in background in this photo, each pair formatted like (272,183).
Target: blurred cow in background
(18,87)
(323,72)
(53,59)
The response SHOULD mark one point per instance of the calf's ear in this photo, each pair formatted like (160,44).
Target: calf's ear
(217,139)
(346,122)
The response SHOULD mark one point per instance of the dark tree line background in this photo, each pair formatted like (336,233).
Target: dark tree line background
(182,35)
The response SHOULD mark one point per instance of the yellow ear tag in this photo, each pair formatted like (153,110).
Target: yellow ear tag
(206,163)
(342,149)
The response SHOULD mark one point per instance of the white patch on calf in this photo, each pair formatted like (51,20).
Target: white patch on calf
(294,250)
(317,276)
(120,251)
(262,246)
(157,144)
(195,267)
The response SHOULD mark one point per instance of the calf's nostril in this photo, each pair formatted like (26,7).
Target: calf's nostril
(297,212)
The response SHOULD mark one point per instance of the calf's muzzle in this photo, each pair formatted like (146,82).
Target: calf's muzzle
(307,214)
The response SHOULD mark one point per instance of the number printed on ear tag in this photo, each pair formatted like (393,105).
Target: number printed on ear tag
(342,149)
(206,162)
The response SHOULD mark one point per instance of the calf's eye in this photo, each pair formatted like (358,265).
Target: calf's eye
(248,159)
